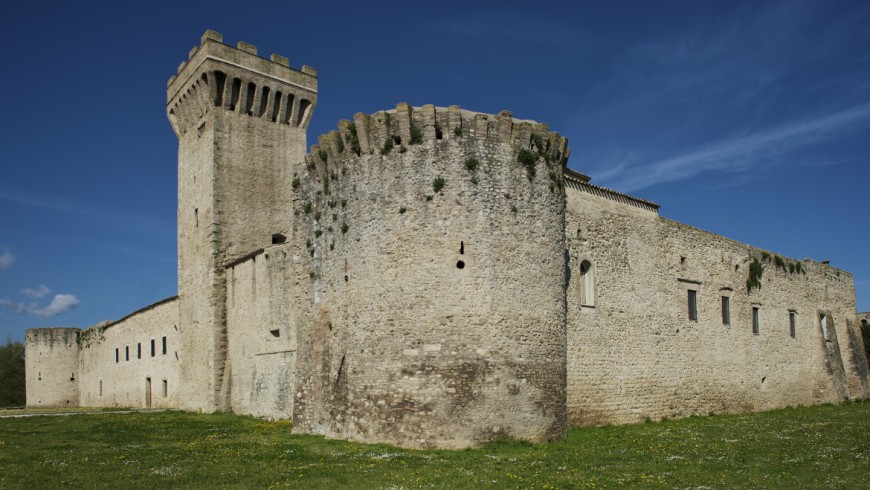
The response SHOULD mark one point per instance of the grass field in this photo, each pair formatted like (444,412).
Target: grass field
(811,447)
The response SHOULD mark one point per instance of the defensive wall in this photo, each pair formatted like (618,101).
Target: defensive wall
(436,277)
(51,369)
(433,255)
(261,334)
(633,350)
(133,362)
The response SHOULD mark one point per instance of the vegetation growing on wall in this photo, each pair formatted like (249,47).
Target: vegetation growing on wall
(354,139)
(755,272)
(91,336)
(528,159)
(783,263)
(388,146)
(438,184)
(416,134)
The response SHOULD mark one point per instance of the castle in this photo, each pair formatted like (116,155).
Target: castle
(436,277)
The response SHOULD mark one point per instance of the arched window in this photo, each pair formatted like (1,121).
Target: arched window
(586,284)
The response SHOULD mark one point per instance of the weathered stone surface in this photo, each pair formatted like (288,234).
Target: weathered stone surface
(426,277)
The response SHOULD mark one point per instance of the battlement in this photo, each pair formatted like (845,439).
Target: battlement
(406,126)
(50,337)
(236,79)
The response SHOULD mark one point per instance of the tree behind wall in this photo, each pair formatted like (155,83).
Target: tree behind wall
(12,374)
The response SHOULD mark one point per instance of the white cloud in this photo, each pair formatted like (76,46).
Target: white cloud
(742,152)
(38,292)
(60,304)
(13,306)
(6,259)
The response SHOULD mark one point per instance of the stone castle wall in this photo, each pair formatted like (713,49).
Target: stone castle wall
(240,121)
(51,369)
(122,360)
(261,334)
(425,277)
(433,316)
(634,353)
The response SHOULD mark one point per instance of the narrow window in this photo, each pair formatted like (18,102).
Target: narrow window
(726,310)
(117,356)
(693,305)
(587,284)
(756,322)
(139,350)
(164,346)
(126,352)
(792,322)
(823,322)
(153,350)
(101,387)
(165,389)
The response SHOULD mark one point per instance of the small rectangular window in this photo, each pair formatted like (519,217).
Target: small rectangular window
(756,327)
(153,350)
(165,389)
(139,350)
(792,322)
(164,346)
(726,310)
(126,352)
(693,305)
(117,356)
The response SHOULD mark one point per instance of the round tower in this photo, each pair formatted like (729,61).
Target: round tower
(51,367)
(432,275)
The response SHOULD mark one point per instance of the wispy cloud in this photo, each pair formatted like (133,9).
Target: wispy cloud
(743,152)
(61,303)
(13,306)
(6,259)
(143,223)
(37,292)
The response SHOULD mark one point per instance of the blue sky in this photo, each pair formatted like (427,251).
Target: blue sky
(748,119)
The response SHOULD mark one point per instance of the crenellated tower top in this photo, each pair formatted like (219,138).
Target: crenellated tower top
(236,79)
(428,125)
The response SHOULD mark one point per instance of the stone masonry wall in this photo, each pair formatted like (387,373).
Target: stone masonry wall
(633,352)
(52,367)
(118,363)
(240,120)
(434,263)
(261,334)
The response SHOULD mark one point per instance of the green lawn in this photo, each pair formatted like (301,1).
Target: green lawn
(812,447)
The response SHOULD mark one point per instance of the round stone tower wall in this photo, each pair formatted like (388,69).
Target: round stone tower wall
(433,282)
(51,367)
